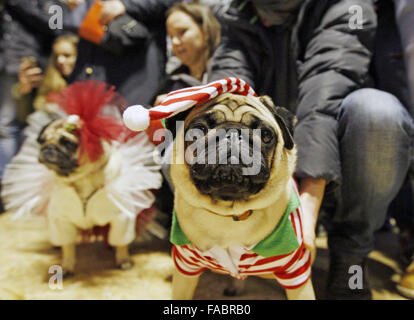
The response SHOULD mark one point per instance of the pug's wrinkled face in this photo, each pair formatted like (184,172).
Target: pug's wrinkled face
(59,149)
(234,150)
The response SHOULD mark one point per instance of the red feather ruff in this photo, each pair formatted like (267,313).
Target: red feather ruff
(87,99)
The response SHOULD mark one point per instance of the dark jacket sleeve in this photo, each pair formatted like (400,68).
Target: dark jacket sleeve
(31,14)
(336,63)
(231,60)
(148,11)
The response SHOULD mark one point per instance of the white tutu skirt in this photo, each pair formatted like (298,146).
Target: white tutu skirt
(28,187)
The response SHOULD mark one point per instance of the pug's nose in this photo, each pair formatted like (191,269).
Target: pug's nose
(227,175)
(50,154)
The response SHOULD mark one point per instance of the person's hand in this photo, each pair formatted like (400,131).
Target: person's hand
(29,77)
(72,4)
(159,99)
(110,10)
(311,195)
(309,223)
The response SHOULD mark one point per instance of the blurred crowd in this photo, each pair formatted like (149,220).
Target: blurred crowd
(344,67)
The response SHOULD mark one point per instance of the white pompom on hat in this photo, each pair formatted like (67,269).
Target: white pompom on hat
(137,118)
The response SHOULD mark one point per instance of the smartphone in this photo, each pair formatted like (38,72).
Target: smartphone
(30,60)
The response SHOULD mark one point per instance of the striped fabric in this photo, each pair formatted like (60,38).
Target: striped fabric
(183,99)
(290,270)
(138,118)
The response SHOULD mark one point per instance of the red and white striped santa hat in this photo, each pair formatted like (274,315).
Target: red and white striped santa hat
(137,118)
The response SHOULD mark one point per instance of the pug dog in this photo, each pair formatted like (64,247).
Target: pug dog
(78,200)
(236,204)
(59,147)
(86,172)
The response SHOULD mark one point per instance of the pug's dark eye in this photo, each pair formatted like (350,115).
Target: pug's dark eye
(69,145)
(255,124)
(267,135)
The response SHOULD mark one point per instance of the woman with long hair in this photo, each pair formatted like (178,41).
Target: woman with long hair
(194,34)
(61,64)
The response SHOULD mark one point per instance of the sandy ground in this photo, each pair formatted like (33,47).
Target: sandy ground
(26,256)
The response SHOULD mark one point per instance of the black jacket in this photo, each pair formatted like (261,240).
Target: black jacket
(388,68)
(138,69)
(25,31)
(330,60)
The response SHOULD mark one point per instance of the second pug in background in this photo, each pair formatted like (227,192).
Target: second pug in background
(81,170)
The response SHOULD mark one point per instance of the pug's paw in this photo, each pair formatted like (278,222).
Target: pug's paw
(67,274)
(235,289)
(125,265)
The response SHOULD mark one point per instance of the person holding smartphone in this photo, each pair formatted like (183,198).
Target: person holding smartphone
(25,32)
(30,76)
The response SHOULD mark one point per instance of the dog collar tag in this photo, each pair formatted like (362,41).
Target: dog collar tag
(244,216)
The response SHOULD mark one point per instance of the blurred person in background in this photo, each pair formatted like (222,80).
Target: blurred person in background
(60,67)
(25,32)
(194,33)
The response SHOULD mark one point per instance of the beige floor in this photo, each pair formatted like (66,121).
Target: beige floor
(26,256)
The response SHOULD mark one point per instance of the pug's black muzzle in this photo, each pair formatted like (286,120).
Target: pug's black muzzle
(56,159)
(223,164)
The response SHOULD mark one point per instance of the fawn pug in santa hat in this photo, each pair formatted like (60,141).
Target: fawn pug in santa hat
(240,216)
(85,169)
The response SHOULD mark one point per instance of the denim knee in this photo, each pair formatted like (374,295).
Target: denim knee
(372,110)
(376,135)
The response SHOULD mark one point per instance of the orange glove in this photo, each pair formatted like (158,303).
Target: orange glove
(91,28)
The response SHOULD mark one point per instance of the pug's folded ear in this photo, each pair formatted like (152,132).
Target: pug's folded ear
(40,139)
(284,118)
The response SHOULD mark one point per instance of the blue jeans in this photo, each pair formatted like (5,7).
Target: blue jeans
(376,145)
(9,127)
